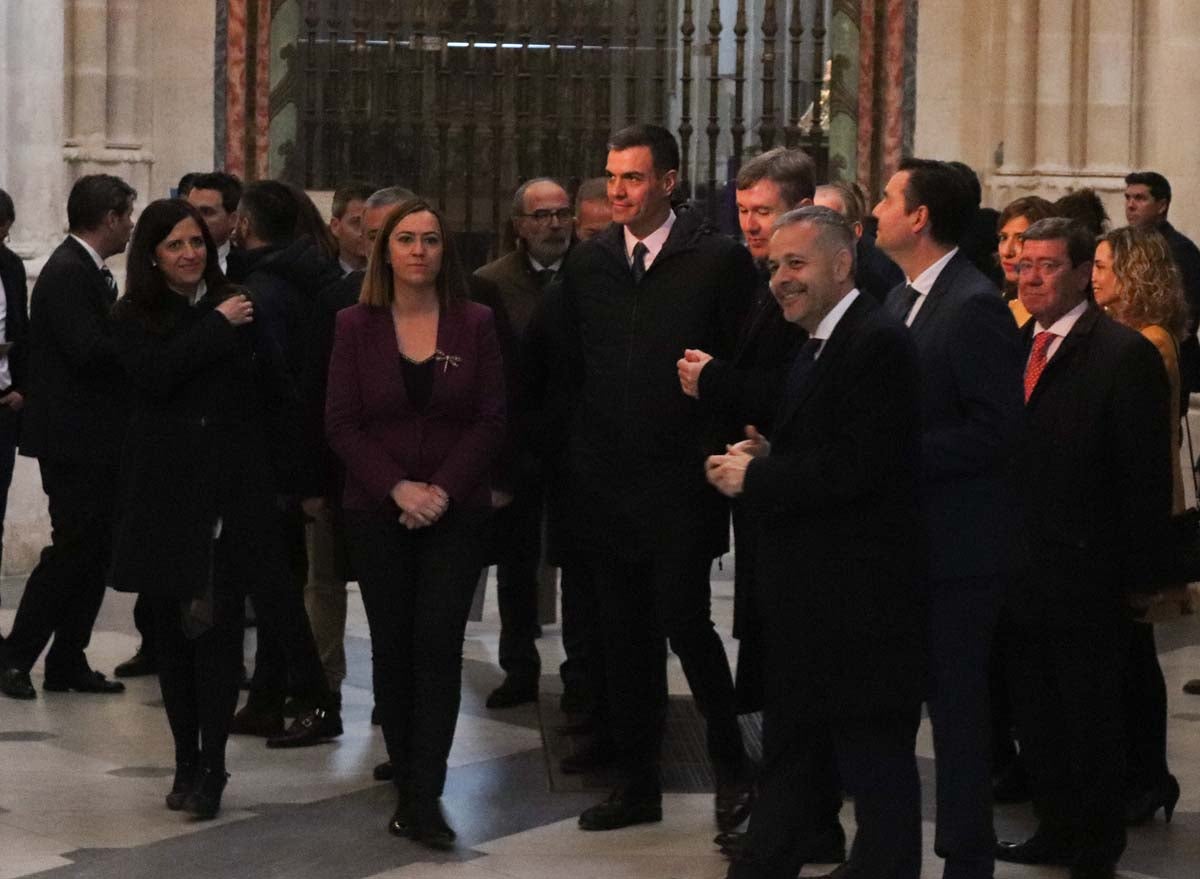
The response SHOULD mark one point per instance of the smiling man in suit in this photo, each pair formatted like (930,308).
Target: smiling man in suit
(74,426)
(1096,495)
(970,413)
(838,568)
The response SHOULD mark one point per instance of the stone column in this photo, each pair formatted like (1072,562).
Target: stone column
(1052,137)
(124,75)
(1110,86)
(87,51)
(1021,79)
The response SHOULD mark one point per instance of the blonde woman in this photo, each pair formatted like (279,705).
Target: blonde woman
(1135,280)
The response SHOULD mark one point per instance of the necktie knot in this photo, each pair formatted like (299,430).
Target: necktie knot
(638,266)
(911,295)
(1038,357)
(109,280)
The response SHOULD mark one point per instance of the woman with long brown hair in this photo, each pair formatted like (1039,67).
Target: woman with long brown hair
(415,409)
(1016,217)
(1135,280)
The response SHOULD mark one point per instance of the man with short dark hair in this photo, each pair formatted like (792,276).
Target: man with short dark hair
(1095,485)
(216,197)
(970,414)
(541,219)
(346,225)
(649,287)
(592,210)
(14,330)
(1147,202)
(835,492)
(74,425)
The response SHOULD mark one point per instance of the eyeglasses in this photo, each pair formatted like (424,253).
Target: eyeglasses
(1044,267)
(563,215)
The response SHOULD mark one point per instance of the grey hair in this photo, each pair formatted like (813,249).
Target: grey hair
(835,230)
(391,195)
(518,202)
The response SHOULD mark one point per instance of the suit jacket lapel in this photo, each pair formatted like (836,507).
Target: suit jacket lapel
(937,293)
(796,397)
(1066,352)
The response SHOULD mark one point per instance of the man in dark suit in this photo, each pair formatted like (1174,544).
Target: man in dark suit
(74,425)
(1095,488)
(541,218)
(14,330)
(652,285)
(970,414)
(836,490)
(1147,201)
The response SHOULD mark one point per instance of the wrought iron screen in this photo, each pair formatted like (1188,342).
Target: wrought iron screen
(461,100)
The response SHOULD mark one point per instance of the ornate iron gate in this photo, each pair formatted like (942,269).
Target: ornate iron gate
(463,99)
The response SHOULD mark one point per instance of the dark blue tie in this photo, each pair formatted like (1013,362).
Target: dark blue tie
(911,295)
(806,357)
(638,267)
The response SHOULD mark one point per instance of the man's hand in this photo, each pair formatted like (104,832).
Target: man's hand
(727,473)
(13,400)
(689,367)
(755,444)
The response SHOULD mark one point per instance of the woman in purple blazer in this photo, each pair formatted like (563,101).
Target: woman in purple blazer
(415,410)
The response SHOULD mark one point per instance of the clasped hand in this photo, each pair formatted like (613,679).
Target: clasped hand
(727,473)
(689,367)
(420,503)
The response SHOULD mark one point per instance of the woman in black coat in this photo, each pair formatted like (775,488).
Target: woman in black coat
(196,519)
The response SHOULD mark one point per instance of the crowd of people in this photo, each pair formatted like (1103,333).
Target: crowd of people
(949,438)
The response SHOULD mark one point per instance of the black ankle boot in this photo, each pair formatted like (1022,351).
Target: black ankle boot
(204,802)
(185,780)
(429,826)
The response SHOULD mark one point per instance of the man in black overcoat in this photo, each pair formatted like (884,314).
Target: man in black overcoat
(839,565)
(74,425)
(970,414)
(639,294)
(1095,481)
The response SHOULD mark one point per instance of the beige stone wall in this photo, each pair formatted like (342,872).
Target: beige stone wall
(1044,96)
(116,86)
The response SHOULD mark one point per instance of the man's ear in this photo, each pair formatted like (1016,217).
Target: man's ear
(670,180)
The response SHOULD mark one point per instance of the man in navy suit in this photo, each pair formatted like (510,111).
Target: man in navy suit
(74,426)
(970,412)
(838,571)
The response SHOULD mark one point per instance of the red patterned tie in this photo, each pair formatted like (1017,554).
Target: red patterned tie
(1037,361)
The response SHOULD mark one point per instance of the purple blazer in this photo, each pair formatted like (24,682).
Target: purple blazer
(381,439)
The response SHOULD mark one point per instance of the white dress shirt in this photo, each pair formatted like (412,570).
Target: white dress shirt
(828,323)
(924,282)
(1060,328)
(654,241)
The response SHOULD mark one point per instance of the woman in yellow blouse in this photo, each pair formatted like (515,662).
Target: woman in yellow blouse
(1135,280)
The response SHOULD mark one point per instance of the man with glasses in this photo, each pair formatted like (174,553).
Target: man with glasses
(1095,492)
(542,220)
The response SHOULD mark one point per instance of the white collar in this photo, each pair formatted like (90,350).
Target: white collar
(95,255)
(654,241)
(830,321)
(924,282)
(1063,326)
(538,267)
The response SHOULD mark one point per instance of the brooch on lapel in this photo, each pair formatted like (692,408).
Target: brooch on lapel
(447,360)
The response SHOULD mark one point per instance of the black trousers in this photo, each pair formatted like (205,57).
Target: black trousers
(1145,712)
(518,537)
(962,622)
(1068,691)
(876,761)
(10,435)
(417,588)
(199,676)
(643,605)
(286,661)
(63,594)
(143,621)
(583,669)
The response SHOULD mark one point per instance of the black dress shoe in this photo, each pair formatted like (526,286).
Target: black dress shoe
(429,826)
(311,728)
(1141,808)
(625,806)
(596,754)
(84,682)
(514,691)
(1192,687)
(1038,849)
(250,721)
(185,781)
(137,666)
(823,848)
(734,800)
(204,802)
(15,684)
(384,771)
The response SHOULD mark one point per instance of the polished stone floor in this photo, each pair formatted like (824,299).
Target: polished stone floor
(82,779)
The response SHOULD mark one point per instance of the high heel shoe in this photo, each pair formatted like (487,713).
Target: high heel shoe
(1142,807)
(204,802)
(185,780)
